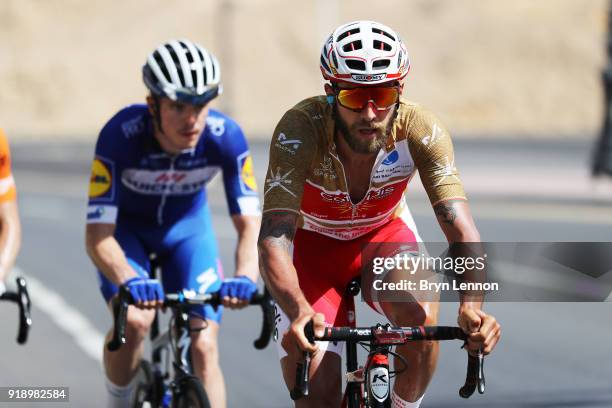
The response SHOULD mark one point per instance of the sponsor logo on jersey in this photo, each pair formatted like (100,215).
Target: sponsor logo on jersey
(248,184)
(445,171)
(338,197)
(101,214)
(100,179)
(435,132)
(172,182)
(133,126)
(391,158)
(326,169)
(379,194)
(216,125)
(397,164)
(279,180)
(368,78)
(95,213)
(288,145)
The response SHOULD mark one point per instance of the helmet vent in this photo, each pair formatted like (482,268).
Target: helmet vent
(333,54)
(190,58)
(357,65)
(162,66)
(354,46)
(347,33)
(379,45)
(381,64)
(324,64)
(386,34)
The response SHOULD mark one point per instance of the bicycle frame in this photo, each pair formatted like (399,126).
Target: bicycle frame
(176,338)
(370,386)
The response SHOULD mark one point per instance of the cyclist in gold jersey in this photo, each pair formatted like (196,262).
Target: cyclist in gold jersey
(339,166)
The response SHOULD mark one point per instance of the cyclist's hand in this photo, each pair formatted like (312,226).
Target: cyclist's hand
(237,292)
(482,329)
(147,293)
(295,342)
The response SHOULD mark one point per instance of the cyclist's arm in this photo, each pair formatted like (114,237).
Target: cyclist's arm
(106,254)
(435,160)
(287,172)
(247,227)
(10,236)
(275,239)
(455,220)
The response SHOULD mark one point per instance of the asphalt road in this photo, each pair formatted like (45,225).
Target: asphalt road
(551,354)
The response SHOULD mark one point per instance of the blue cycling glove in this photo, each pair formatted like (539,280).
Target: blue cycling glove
(144,289)
(240,287)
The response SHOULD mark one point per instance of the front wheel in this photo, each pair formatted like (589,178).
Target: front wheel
(144,393)
(190,394)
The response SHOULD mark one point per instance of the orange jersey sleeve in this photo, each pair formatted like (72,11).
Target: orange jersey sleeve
(7,183)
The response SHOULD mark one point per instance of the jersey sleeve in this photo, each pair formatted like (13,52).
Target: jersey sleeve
(292,151)
(104,180)
(434,158)
(238,173)
(8,191)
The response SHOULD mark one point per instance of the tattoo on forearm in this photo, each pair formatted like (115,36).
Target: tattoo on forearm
(278,229)
(445,212)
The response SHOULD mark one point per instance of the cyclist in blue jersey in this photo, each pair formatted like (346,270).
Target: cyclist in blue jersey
(147,195)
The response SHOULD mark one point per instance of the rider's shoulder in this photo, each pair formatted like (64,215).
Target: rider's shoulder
(414,115)
(127,123)
(412,109)
(220,124)
(314,108)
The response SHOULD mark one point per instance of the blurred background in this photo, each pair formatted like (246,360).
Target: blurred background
(519,84)
(521,68)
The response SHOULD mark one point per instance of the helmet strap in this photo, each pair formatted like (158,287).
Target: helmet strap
(157,113)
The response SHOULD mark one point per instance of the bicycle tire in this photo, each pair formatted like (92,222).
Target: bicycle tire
(190,394)
(144,393)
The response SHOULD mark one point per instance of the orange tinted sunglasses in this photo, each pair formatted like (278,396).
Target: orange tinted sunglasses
(356,99)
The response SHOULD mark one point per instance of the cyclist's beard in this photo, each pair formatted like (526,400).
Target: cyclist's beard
(351,134)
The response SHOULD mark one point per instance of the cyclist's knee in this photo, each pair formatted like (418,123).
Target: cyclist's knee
(138,324)
(204,347)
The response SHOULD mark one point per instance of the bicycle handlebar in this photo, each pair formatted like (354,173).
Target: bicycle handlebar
(22,298)
(387,335)
(176,300)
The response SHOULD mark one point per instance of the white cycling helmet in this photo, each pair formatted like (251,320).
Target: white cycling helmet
(182,71)
(364,52)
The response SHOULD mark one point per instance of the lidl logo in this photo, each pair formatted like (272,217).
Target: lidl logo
(100,180)
(246,173)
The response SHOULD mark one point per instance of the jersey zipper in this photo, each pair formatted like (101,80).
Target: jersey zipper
(162,203)
(348,188)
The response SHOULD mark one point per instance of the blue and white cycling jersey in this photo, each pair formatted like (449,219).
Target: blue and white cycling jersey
(158,201)
(133,177)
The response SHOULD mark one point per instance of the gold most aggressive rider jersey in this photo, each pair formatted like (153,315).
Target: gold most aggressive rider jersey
(306,176)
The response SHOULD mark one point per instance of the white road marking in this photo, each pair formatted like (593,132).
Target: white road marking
(65,316)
